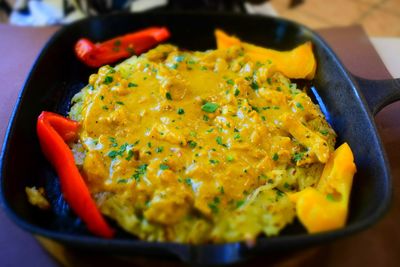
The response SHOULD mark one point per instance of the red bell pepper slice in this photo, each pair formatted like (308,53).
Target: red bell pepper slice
(96,55)
(54,131)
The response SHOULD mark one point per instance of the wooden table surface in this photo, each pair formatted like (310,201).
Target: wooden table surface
(377,246)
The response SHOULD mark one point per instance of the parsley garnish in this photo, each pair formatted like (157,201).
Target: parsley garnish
(239,203)
(181,111)
(297,157)
(300,106)
(330,197)
(230,82)
(254,85)
(140,171)
(108,80)
(209,107)
(219,140)
(192,144)
(164,167)
(132,85)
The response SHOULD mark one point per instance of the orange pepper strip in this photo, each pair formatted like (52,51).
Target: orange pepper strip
(54,131)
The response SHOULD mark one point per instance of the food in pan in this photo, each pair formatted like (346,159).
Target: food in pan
(216,146)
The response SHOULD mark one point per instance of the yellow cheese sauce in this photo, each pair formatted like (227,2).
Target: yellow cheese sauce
(198,147)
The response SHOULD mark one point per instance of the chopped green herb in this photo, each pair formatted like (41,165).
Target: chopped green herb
(330,197)
(213,207)
(203,68)
(90,87)
(140,171)
(210,130)
(263,118)
(254,85)
(119,103)
(300,106)
(104,107)
(164,167)
(286,185)
(112,154)
(101,97)
(108,80)
(297,156)
(230,82)
(168,95)
(136,142)
(324,132)
(275,157)
(193,134)
(239,203)
(159,149)
(192,144)
(132,85)
(229,158)
(269,81)
(174,66)
(237,92)
(122,181)
(209,107)
(219,140)
(214,161)
(149,144)
(279,194)
(130,155)
(181,111)
(237,136)
(113,142)
(188,181)
(221,190)
(205,118)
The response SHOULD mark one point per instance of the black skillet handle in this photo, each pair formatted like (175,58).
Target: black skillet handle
(379,93)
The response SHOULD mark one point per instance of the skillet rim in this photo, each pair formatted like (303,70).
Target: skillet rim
(263,241)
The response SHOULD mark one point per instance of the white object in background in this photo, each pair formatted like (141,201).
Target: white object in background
(388,49)
(262,9)
(143,5)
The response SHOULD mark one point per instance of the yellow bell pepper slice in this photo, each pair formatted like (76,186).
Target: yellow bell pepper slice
(298,63)
(325,207)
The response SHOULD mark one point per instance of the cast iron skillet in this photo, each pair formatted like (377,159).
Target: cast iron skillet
(348,102)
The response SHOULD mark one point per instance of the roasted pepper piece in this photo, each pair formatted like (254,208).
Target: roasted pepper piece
(96,55)
(298,63)
(325,207)
(54,131)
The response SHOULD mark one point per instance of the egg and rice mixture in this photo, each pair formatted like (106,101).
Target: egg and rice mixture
(198,147)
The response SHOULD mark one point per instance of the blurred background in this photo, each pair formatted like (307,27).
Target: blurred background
(378,17)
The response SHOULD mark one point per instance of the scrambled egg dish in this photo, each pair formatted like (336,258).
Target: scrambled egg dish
(198,147)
